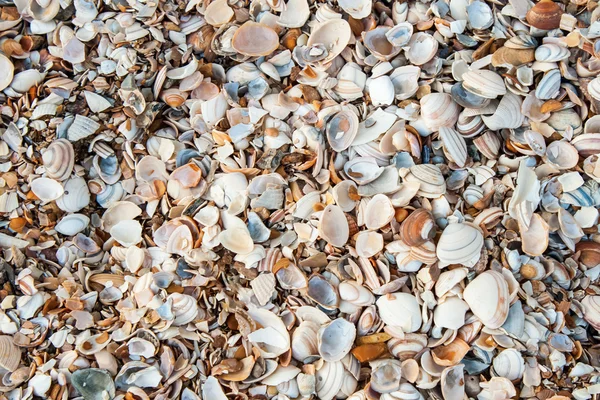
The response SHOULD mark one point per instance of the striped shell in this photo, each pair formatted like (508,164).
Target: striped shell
(455,146)
(484,83)
(59,159)
(430,178)
(459,244)
(438,109)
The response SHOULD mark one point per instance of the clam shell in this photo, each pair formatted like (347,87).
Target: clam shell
(368,244)
(363,170)
(459,244)
(59,159)
(358,9)
(545,15)
(381,90)
(330,378)
(81,128)
(430,178)
(551,52)
(336,339)
(341,130)
(593,88)
(93,383)
(400,34)
(295,15)
(334,34)
(376,41)
(454,145)
(345,195)
(47,189)
(10,354)
(407,347)
(488,144)
(466,98)
(487,296)
(549,85)
(406,81)
(418,228)
(480,15)
(218,13)
(592,310)
(254,39)
(8,72)
(438,109)
(400,310)
(507,115)
(509,364)
(422,47)
(484,83)
(379,212)
(333,226)
(562,154)
(72,224)
(451,313)
(304,341)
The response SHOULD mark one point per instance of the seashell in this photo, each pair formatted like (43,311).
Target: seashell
(450,354)
(466,98)
(484,83)
(368,244)
(363,170)
(8,72)
(488,144)
(506,56)
(591,311)
(345,195)
(551,52)
(453,382)
(507,115)
(568,225)
(93,383)
(72,224)
(237,239)
(59,159)
(418,228)
(451,313)
(379,212)
(10,354)
(448,279)
(509,364)
(438,109)
(321,291)
(47,189)
(545,15)
(333,226)
(400,310)
(407,347)
(480,15)
(44,10)
(593,88)
(430,178)
(385,376)
(354,293)
(377,43)
(342,129)
(336,339)
(422,47)
(549,86)
(358,9)
(183,307)
(589,253)
(127,232)
(304,341)
(562,154)
(534,239)
(487,296)
(254,39)
(406,81)
(399,35)
(334,34)
(218,13)
(459,244)
(381,90)
(295,15)
(455,146)
(330,378)
(521,41)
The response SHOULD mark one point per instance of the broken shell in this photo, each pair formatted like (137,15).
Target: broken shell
(334,34)
(400,34)
(255,39)
(400,310)
(363,170)
(336,339)
(487,296)
(430,178)
(451,313)
(422,47)
(377,43)
(562,154)
(592,310)
(509,364)
(453,382)
(466,98)
(93,383)
(59,159)
(47,189)
(385,376)
(295,14)
(10,354)
(358,9)
(368,244)
(333,226)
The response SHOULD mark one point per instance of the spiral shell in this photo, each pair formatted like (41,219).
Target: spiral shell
(184,308)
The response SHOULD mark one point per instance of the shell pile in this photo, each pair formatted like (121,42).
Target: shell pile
(299,199)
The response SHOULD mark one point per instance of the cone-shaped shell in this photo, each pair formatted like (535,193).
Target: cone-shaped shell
(487,296)
(254,39)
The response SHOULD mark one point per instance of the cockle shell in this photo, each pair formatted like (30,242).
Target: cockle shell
(485,83)
(333,226)
(418,228)
(342,129)
(454,145)
(336,339)
(254,39)
(592,310)
(400,310)
(459,244)
(487,296)
(438,109)
(545,15)
(430,178)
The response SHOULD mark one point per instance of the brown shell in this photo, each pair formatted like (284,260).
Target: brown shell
(418,228)
(10,354)
(545,15)
(590,253)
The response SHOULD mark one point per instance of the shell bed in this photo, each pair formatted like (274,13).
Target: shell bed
(299,199)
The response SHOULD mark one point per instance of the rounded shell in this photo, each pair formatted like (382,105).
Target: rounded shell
(430,178)
(460,244)
(545,15)
(336,339)
(484,83)
(333,226)
(59,159)
(8,70)
(401,310)
(342,129)
(334,34)
(254,39)
(487,296)
(422,48)
(438,109)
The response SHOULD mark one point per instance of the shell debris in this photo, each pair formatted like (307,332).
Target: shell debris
(300,199)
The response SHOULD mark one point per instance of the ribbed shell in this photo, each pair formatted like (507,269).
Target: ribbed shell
(431,179)
(10,354)
(454,145)
(484,83)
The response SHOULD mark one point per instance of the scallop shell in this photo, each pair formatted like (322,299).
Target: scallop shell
(487,296)
(333,226)
(336,339)
(438,109)
(254,39)
(379,212)
(545,15)
(485,83)
(400,310)
(430,178)
(454,145)
(59,159)
(459,244)
(342,129)
(334,34)
(422,47)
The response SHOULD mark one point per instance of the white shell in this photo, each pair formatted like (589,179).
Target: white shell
(47,189)
(358,9)
(379,212)
(72,224)
(368,243)
(450,314)
(333,226)
(509,364)
(430,178)
(484,83)
(438,109)
(400,310)
(454,145)
(336,339)
(459,244)
(487,296)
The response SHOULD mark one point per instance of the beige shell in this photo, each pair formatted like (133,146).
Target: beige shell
(342,129)
(484,83)
(408,346)
(438,109)
(592,310)
(336,339)
(333,226)
(10,354)
(430,178)
(8,70)
(368,243)
(254,39)
(377,43)
(59,159)
(334,34)
(562,154)
(218,13)
(330,378)
(418,228)
(304,341)
(400,310)
(487,296)
(509,364)
(459,244)
(455,146)
(379,212)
